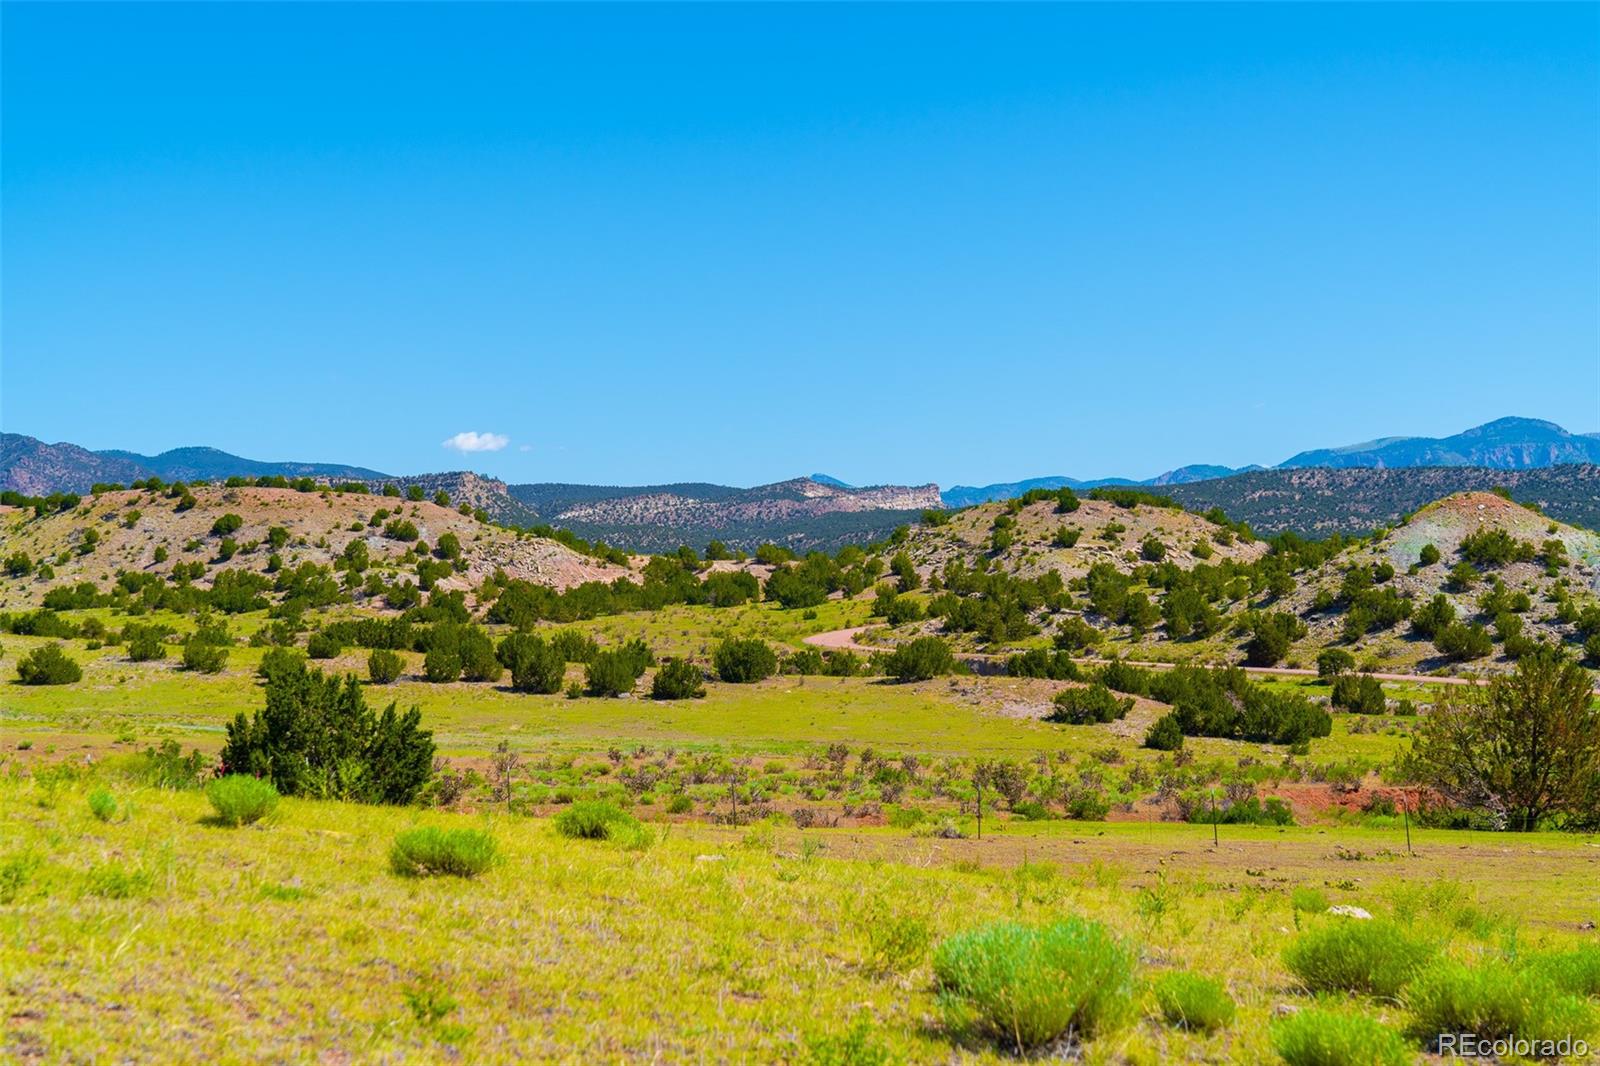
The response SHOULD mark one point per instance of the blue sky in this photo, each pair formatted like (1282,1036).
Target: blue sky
(892,243)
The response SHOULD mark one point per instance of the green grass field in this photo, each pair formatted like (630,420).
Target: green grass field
(156,935)
(159,937)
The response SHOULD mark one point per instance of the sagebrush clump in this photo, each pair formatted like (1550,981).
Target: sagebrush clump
(432,852)
(1025,986)
(1494,1000)
(594,820)
(240,799)
(1317,1037)
(1370,956)
(1191,1001)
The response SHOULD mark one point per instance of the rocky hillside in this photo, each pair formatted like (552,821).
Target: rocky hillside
(801,514)
(34,468)
(1467,584)
(1316,502)
(1104,533)
(128,530)
(1533,589)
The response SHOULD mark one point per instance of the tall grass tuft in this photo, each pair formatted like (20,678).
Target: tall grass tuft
(1575,972)
(1190,1001)
(242,800)
(1494,1000)
(1370,956)
(1318,1037)
(1026,986)
(596,820)
(430,852)
(858,1045)
(102,804)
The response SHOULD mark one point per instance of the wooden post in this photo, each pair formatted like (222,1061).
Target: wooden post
(979,783)
(1405,810)
(1213,819)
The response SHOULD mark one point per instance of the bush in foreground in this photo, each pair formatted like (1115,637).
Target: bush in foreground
(48,665)
(1190,1001)
(431,852)
(1374,957)
(1316,1037)
(241,800)
(317,737)
(1025,986)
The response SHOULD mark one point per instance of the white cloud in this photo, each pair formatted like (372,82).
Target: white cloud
(477,442)
(525,448)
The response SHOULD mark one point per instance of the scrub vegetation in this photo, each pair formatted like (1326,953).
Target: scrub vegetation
(300,773)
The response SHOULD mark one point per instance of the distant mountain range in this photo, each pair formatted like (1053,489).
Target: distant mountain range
(1350,489)
(803,513)
(35,468)
(1316,501)
(1504,444)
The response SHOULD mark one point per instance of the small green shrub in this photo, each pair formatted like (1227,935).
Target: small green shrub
(204,658)
(678,679)
(1166,734)
(1089,704)
(167,767)
(680,804)
(323,645)
(920,659)
(1316,1037)
(1190,1001)
(594,820)
(114,881)
(1370,956)
(1493,1001)
(102,804)
(742,661)
(241,800)
(1308,901)
(14,874)
(383,666)
(610,674)
(858,1045)
(896,943)
(280,661)
(1025,986)
(431,852)
(48,665)
(1575,972)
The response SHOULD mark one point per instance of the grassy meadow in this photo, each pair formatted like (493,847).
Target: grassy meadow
(804,860)
(158,935)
